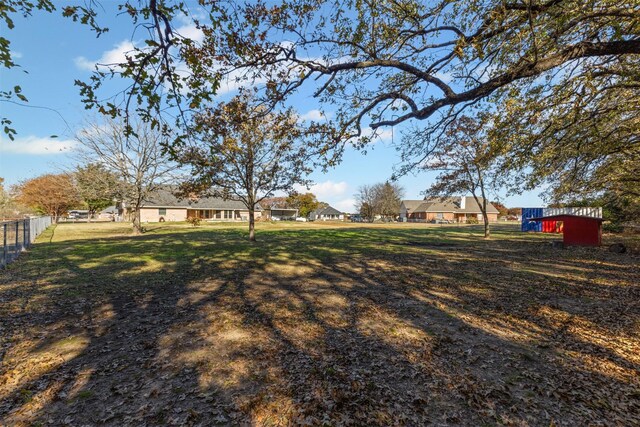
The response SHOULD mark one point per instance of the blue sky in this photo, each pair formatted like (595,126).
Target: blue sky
(55,52)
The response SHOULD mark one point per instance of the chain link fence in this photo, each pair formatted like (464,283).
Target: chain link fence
(18,235)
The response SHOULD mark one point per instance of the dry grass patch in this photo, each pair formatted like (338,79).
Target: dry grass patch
(317,324)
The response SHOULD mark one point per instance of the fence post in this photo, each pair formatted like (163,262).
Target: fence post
(4,250)
(17,237)
(25,242)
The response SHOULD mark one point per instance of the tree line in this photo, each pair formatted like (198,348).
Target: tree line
(494,95)
(239,152)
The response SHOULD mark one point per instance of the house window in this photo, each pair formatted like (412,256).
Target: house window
(218,214)
(162,211)
(439,215)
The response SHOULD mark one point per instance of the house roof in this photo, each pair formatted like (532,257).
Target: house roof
(471,206)
(326,211)
(447,204)
(165,198)
(411,205)
(437,205)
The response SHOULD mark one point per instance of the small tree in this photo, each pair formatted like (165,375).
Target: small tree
(137,160)
(49,194)
(366,202)
(96,186)
(241,151)
(305,203)
(467,162)
(389,196)
(379,199)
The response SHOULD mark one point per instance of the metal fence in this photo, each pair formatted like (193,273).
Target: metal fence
(18,235)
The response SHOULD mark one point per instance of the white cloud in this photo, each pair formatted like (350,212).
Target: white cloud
(346,205)
(445,77)
(15,54)
(242,77)
(315,115)
(117,55)
(326,190)
(36,146)
(236,79)
(379,134)
(190,31)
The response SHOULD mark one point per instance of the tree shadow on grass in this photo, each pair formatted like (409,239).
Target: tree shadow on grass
(316,326)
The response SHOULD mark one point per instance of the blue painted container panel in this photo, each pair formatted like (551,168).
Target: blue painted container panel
(531,213)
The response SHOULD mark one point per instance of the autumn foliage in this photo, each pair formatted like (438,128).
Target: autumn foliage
(51,194)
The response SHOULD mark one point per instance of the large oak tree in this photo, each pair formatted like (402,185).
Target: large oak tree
(381,63)
(376,63)
(242,151)
(580,140)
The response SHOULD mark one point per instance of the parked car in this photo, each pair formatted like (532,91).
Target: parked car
(301,219)
(357,218)
(78,214)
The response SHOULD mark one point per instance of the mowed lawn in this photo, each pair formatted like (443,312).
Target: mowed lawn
(317,324)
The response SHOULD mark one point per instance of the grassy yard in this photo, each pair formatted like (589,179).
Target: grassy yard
(317,324)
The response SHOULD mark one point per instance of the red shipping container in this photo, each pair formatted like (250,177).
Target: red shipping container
(549,226)
(577,230)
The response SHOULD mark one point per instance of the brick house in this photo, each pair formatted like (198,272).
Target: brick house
(163,205)
(452,209)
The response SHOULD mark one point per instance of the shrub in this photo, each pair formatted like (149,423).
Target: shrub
(472,220)
(195,221)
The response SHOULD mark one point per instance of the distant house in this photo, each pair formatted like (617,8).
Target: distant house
(280,214)
(326,214)
(453,209)
(163,205)
(108,213)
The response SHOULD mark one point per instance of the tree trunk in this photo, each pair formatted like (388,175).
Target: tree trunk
(252,224)
(137,226)
(485,217)
(483,208)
